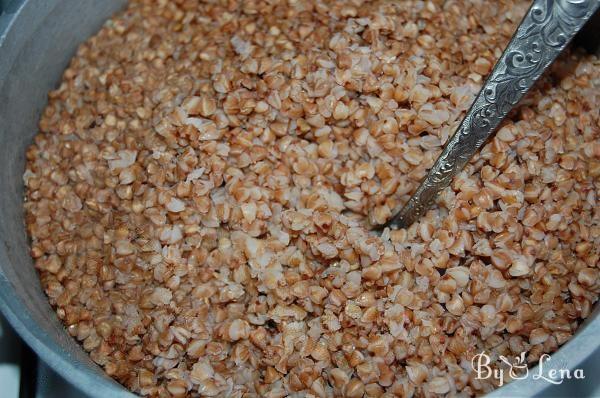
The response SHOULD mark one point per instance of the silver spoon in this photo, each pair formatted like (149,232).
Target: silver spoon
(543,34)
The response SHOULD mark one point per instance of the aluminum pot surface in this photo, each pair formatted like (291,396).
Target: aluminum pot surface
(37,40)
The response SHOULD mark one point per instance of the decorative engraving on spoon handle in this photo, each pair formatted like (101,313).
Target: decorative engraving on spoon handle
(544,32)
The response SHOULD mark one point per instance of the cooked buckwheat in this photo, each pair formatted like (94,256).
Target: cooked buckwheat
(200,195)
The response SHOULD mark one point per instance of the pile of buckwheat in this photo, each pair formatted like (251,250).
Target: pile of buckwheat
(200,198)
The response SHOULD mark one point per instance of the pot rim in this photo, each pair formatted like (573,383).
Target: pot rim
(34,13)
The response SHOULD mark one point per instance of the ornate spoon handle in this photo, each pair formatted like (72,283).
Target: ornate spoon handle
(544,32)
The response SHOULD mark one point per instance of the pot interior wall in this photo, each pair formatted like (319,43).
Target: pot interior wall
(34,50)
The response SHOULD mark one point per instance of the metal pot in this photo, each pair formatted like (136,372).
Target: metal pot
(37,40)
